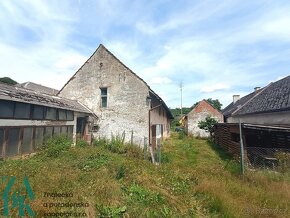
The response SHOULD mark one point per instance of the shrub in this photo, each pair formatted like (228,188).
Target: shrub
(105,211)
(144,196)
(181,134)
(94,161)
(208,124)
(117,143)
(121,172)
(56,145)
(133,151)
(283,161)
(100,142)
(82,143)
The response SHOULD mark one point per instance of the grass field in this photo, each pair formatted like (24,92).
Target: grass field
(194,180)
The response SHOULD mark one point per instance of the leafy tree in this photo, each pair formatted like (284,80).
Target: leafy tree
(176,111)
(215,103)
(8,80)
(208,125)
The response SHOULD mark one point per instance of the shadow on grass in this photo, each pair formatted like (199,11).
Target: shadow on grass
(231,164)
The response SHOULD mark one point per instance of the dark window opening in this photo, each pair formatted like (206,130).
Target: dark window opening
(70,115)
(38,112)
(61,114)
(22,111)
(6,109)
(104,97)
(50,114)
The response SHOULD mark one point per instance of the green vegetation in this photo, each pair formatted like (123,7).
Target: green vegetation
(8,80)
(208,124)
(196,180)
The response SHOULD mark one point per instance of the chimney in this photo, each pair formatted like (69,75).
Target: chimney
(257,88)
(236,98)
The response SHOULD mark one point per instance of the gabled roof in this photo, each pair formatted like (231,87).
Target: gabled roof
(101,46)
(204,100)
(231,108)
(273,98)
(38,88)
(20,94)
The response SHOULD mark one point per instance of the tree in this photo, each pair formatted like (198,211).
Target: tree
(208,125)
(215,103)
(8,80)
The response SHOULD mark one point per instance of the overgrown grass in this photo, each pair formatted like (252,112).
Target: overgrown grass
(197,180)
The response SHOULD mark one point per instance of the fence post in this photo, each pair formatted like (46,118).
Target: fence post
(145,148)
(132,137)
(242,148)
(159,150)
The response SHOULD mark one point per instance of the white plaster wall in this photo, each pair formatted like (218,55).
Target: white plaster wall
(127,109)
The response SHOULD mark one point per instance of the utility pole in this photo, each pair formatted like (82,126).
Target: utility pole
(181,98)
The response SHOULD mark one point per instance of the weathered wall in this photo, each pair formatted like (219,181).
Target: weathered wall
(127,108)
(159,116)
(199,113)
(282,118)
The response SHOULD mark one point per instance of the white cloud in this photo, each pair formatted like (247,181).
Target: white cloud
(160,80)
(214,87)
(70,61)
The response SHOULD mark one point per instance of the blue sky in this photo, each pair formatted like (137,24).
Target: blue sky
(215,48)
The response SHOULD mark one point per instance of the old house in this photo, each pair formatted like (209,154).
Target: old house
(28,118)
(123,102)
(267,106)
(202,110)
(264,115)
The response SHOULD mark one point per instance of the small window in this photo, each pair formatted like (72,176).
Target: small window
(104,97)
(6,109)
(38,112)
(69,115)
(61,114)
(22,111)
(50,114)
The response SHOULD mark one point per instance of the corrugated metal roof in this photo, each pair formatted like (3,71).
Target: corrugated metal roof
(38,88)
(20,94)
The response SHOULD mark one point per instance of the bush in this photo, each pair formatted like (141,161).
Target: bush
(93,162)
(283,161)
(181,134)
(133,151)
(100,142)
(117,143)
(121,172)
(56,145)
(82,143)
